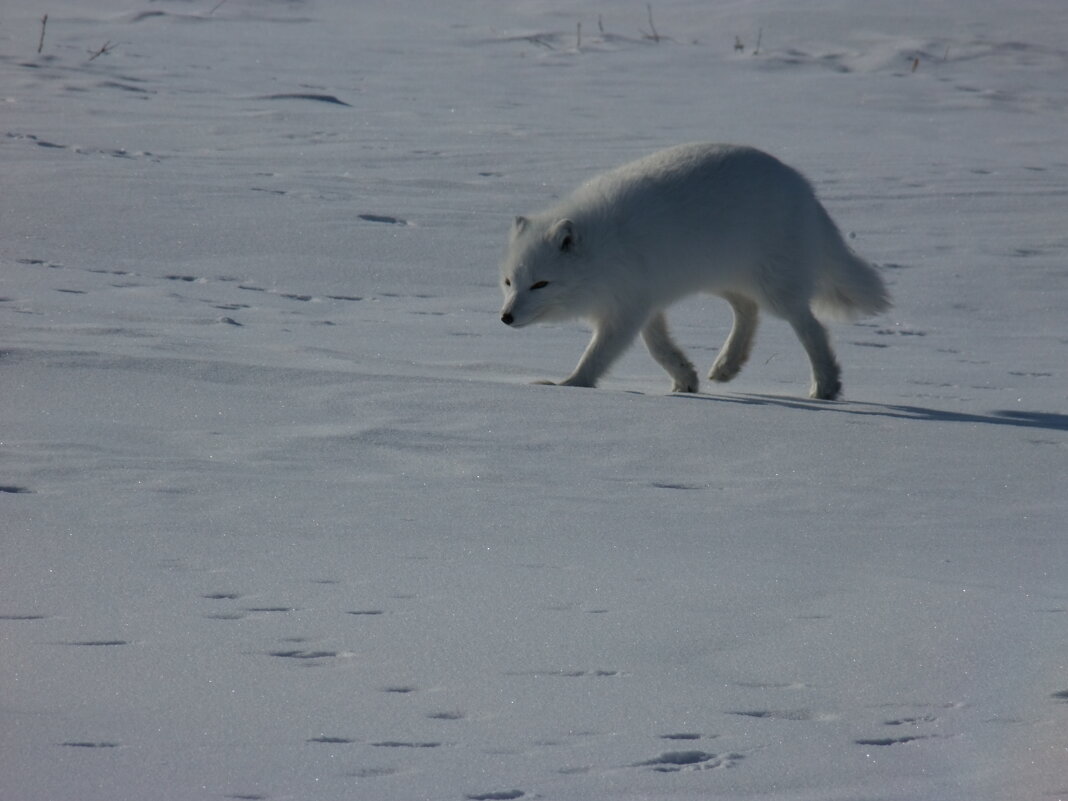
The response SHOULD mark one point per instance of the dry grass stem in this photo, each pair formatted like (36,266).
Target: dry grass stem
(107,47)
(40,42)
(654,35)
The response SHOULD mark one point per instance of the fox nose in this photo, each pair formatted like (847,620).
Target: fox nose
(507,318)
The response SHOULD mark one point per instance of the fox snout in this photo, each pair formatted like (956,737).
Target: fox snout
(519,311)
(508,309)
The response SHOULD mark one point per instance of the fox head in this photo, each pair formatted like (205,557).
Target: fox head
(541,273)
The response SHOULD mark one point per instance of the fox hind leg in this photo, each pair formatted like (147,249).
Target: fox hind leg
(735,351)
(668,355)
(826,373)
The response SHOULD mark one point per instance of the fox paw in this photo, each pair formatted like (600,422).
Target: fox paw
(687,385)
(576,381)
(724,372)
(829,392)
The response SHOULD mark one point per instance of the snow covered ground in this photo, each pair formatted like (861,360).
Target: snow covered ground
(281,516)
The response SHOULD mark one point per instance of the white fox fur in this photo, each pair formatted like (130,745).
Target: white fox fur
(723,219)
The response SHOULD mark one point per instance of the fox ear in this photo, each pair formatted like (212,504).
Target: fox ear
(562,235)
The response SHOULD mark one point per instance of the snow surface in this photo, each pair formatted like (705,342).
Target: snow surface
(283,518)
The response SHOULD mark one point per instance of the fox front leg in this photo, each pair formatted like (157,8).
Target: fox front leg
(606,345)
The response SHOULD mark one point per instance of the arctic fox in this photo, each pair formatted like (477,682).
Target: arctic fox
(724,219)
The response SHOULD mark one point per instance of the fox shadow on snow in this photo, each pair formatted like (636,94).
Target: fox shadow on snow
(1019,418)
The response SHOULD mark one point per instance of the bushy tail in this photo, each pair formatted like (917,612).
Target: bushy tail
(849,287)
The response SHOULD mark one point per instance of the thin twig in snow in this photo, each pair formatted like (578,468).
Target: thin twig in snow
(539,41)
(40,42)
(107,47)
(655,36)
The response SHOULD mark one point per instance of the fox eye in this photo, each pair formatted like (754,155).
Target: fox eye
(539,285)
(507,281)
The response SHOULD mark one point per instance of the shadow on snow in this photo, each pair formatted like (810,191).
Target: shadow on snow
(1019,418)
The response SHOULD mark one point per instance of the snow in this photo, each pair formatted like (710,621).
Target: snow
(283,516)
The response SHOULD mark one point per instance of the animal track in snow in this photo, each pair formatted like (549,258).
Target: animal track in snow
(321,98)
(193,280)
(676,761)
(567,607)
(382,218)
(90,744)
(120,153)
(372,773)
(405,744)
(568,674)
(271,609)
(900,331)
(910,721)
(885,741)
(775,714)
(302,654)
(913,722)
